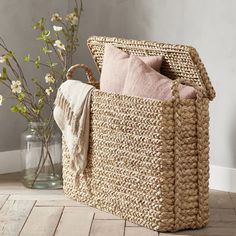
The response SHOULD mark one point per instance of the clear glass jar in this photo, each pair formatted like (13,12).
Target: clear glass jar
(41,154)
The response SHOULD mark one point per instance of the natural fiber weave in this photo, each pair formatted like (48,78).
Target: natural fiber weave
(180,61)
(148,159)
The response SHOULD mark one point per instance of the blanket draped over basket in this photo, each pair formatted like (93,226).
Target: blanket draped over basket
(148,160)
(72,115)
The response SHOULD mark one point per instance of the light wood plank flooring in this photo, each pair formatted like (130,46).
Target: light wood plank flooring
(27,212)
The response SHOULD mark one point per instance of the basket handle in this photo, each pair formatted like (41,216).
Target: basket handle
(175,91)
(88,72)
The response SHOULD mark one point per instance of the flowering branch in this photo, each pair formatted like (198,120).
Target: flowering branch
(58,47)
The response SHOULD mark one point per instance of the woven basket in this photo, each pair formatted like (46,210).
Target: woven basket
(148,159)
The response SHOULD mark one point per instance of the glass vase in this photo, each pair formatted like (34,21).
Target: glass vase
(41,156)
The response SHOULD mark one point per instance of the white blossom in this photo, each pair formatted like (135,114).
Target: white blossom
(49,91)
(2,59)
(16,86)
(1,99)
(49,79)
(56,17)
(59,44)
(72,18)
(57,28)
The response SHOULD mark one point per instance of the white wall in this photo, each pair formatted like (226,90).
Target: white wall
(208,25)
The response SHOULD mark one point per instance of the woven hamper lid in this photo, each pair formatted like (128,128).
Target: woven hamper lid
(179,61)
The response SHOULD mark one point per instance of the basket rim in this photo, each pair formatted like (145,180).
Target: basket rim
(94,41)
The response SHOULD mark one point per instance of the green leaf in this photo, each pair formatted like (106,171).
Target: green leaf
(37,62)
(46,50)
(41,102)
(4,73)
(23,109)
(54,64)
(44,36)
(39,24)
(27,58)
(21,97)
(9,55)
(34,80)
(36,111)
(38,93)
(14,108)
(39,37)
(19,108)
(51,64)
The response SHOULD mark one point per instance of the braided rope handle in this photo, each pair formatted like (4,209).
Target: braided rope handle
(175,91)
(88,72)
(199,103)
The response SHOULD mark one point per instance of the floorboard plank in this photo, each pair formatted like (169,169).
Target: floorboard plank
(222,215)
(207,231)
(36,197)
(107,228)
(102,215)
(66,203)
(13,216)
(75,221)
(219,199)
(30,192)
(222,223)
(233,199)
(3,199)
(139,231)
(42,221)
(129,224)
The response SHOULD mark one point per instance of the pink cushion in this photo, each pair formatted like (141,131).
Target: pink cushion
(143,81)
(115,68)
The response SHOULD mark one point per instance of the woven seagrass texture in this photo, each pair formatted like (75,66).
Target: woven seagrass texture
(180,61)
(148,160)
(141,166)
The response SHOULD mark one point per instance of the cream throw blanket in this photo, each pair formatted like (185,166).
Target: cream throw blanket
(71,113)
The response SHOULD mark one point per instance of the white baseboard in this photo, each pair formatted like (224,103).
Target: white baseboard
(221,178)
(10,161)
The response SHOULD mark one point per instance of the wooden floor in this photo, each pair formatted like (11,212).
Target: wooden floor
(28,212)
